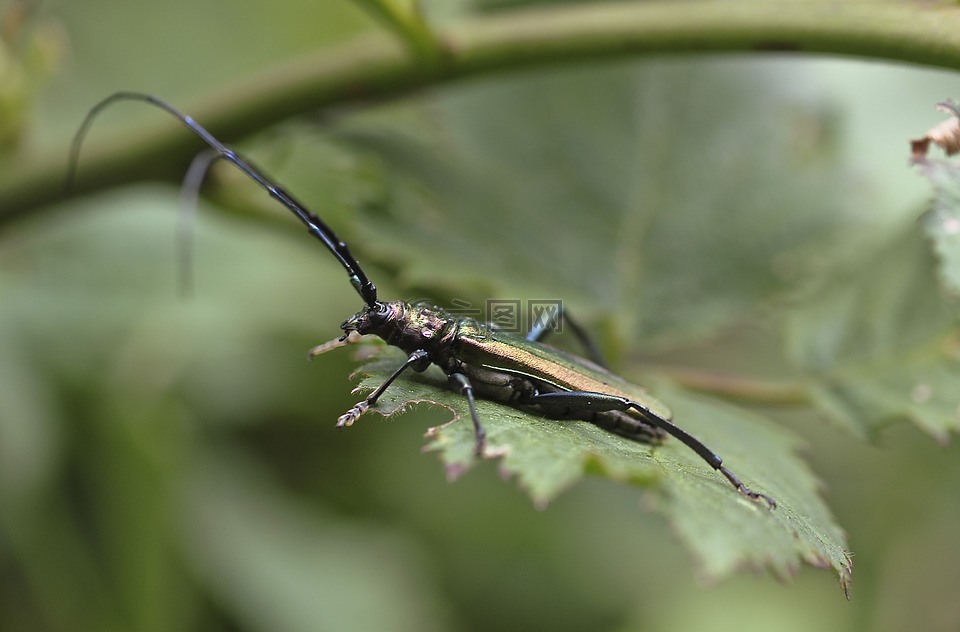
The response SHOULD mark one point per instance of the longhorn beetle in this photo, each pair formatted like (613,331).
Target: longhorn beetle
(477,358)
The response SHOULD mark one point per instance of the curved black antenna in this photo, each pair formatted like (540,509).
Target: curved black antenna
(315,226)
(189,200)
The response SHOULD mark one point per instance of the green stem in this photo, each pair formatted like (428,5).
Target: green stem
(407,22)
(743,389)
(379,67)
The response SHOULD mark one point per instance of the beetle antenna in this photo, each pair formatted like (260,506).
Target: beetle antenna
(189,200)
(315,226)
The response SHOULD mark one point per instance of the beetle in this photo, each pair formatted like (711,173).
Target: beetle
(479,359)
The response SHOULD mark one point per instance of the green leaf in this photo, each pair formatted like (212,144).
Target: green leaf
(881,344)
(942,222)
(724,530)
(652,191)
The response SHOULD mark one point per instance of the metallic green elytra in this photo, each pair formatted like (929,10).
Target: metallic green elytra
(478,358)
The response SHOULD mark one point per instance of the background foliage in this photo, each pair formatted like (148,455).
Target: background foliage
(171,464)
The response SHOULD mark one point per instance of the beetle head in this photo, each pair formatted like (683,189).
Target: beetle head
(376,318)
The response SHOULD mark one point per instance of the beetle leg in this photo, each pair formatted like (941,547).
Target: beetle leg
(543,326)
(602,402)
(418,360)
(466,389)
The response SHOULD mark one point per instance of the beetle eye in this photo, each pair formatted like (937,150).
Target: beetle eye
(378,313)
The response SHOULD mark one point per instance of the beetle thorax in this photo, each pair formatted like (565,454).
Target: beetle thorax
(409,326)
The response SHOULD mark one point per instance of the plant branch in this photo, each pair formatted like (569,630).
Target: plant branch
(378,67)
(743,389)
(408,23)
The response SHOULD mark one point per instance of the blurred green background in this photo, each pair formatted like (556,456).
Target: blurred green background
(172,464)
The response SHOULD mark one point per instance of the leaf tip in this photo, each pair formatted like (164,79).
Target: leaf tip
(454,471)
